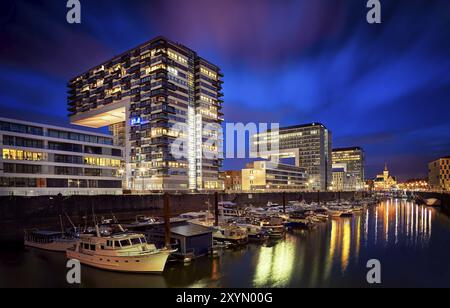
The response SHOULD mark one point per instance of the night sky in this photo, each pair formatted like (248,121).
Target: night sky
(383,87)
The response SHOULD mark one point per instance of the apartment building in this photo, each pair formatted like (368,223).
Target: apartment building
(40,159)
(151,97)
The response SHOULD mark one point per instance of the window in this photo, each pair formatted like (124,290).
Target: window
(20,128)
(65,147)
(92,172)
(102,162)
(22,142)
(20,168)
(135,241)
(9,154)
(116,244)
(125,243)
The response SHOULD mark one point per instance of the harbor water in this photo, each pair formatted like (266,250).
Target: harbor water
(410,241)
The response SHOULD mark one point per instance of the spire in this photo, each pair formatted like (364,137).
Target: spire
(385,167)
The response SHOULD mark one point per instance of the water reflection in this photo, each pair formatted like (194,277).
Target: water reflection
(275,264)
(317,257)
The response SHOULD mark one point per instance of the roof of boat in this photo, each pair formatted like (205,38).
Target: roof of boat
(190,230)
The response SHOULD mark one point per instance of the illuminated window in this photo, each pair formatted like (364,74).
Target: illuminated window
(22,155)
(172,70)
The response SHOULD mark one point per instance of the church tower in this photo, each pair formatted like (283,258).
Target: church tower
(386,173)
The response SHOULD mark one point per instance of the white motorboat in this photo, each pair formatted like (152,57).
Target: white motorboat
(231,233)
(123,252)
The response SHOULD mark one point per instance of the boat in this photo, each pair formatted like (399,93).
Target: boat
(274,227)
(121,252)
(49,240)
(232,234)
(334,212)
(297,220)
(272,204)
(255,233)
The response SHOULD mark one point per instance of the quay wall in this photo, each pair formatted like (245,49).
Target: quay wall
(19,213)
(444,197)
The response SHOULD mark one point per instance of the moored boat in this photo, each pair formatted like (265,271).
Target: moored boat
(231,234)
(123,252)
(49,240)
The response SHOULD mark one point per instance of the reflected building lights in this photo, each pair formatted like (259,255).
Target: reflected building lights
(386,222)
(275,265)
(396,223)
(346,244)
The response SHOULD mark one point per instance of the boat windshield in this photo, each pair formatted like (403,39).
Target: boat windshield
(135,241)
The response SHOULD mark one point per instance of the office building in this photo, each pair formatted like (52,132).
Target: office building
(151,97)
(353,161)
(40,159)
(439,174)
(342,179)
(309,144)
(271,176)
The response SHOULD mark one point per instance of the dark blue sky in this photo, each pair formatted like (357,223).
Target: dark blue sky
(383,87)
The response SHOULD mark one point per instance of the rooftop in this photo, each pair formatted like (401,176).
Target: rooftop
(190,230)
(61,127)
(153,40)
(300,126)
(347,149)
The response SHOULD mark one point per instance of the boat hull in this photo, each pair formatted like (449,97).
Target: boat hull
(154,263)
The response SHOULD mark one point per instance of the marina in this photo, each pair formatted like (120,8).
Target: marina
(404,236)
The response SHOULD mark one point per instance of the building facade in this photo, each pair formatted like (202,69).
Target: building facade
(271,176)
(309,144)
(353,161)
(439,174)
(385,181)
(342,179)
(39,159)
(232,180)
(153,98)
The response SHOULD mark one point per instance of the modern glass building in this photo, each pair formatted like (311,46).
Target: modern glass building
(40,159)
(145,96)
(352,161)
(309,144)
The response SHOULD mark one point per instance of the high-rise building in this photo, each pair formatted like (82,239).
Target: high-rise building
(271,176)
(353,160)
(151,97)
(309,144)
(439,174)
(39,159)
